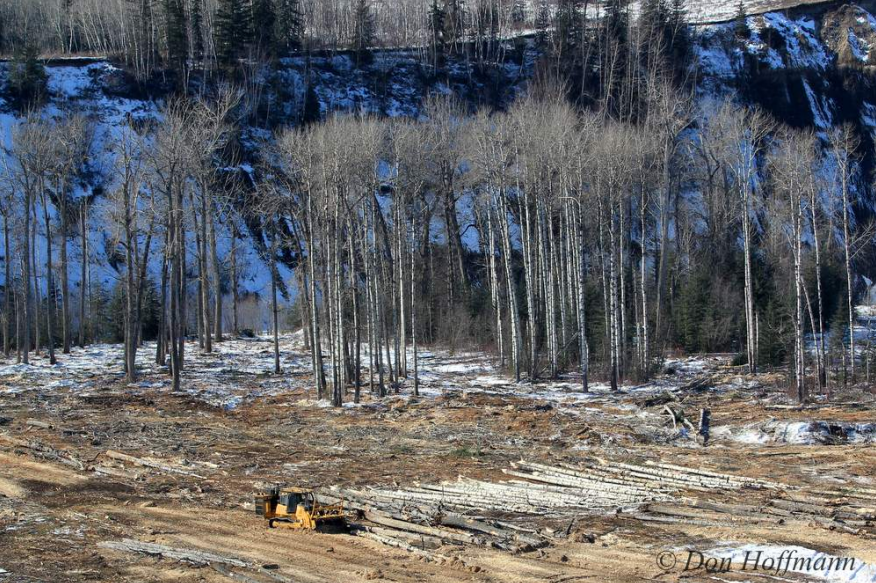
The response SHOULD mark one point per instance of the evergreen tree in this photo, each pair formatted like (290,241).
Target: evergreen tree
(454,23)
(311,110)
(664,29)
(363,31)
(232,31)
(436,31)
(742,30)
(518,12)
(196,23)
(289,32)
(264,23)
(678,25)
(653,21)
(569,26)
(617,21)
(542,22)
(176,30)
(27,76)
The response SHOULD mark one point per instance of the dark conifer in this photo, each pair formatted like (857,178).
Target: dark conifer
(363,31)
(264,23)
(436,33)
(233,31)
(289,32)
(454,23)
(542,22)
(196,23)
(518,12)
(177,34)
(742,30)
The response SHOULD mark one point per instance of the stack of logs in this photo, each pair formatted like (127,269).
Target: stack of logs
(423,525)
(640,483)
(424,517)
(852,512)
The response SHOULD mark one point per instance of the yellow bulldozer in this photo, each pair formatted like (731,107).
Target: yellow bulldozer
(298,508)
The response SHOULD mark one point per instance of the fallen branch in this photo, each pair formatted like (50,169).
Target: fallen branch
(44,451)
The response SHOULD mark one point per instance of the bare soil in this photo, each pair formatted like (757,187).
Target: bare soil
(55,508)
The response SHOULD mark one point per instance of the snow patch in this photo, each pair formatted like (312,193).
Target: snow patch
(769,561)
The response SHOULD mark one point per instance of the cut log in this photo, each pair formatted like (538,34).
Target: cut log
(400,544)
(123,457)
(421,541)
(804,508)
(441,533)
(661,399)
(699,384)
(194,557)
(499,532)
(115,472)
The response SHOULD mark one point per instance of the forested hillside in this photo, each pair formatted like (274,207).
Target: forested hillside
(566,185)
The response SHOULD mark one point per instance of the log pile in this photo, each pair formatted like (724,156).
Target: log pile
(422,524)
(424,517)
(643,483)
(833,514)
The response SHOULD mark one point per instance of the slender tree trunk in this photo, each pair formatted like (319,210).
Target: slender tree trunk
(217,283)
(749,282)
(664,233)
(513,310)
(235,290)
(850,282)
(7,292)
(819,345)
(275,308)
(25,277)
(50,285)
(530,277)
(161,344)
(357,325)
(646,356)
(83,283)
(130,291)
(583,344)
(204,273)
(36,284)
(800,369)
(414,312)
(403,341)
(65,278)
(494,288)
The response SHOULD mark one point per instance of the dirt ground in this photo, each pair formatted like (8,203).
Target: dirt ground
(62,494)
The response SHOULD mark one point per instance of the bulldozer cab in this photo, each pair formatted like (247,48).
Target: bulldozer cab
(292,498)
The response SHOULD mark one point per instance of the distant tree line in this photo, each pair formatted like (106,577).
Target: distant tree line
(188,35)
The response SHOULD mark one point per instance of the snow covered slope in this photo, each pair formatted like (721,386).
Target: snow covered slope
(809,69)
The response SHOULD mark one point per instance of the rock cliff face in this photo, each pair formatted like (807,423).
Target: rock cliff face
(810,66)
